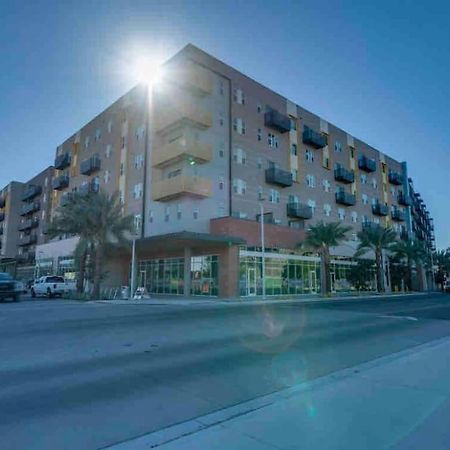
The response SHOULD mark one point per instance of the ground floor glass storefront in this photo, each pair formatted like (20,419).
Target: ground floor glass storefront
(166,276)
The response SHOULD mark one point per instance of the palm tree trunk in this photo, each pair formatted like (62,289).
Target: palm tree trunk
(81,272)
(410,275)
(97,271)
(325,272)
(379,264)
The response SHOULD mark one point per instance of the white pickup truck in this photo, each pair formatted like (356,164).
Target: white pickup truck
(51,286)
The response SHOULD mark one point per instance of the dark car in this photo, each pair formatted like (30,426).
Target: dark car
(8,287)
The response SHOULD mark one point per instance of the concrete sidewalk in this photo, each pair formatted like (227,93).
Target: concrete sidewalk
(400,401)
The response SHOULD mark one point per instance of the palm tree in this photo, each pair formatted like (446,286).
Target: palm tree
(69,220)
(413,252)
(376,239)
(321,238)
(97,219)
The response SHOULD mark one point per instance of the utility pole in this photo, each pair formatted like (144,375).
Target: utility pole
(263,250)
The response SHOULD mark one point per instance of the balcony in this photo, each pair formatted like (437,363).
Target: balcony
(29,224)
(175,115)
(314,139)
(369,225)
(193,77)
(398,215)
(30,208)
(279,177)
(2,201)
(344,175)
(31,192)
(60,182)
(65,198)
(403,199)
(27,257)
(344,198)
(367,164)
(1,230)
(404,235)
(2,217)
(298,211)
(182,149)
(380,210)
(395,178)
(181,185)
(89,188)
(28,240)
(91,165)
(62,161)
(277,121)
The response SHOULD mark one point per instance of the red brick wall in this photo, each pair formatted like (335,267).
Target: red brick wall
(275,235)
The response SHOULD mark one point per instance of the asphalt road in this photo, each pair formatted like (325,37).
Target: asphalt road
(85,376)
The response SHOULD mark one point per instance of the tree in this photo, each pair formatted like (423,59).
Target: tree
(361,275)
(413,252)
(321,238)
(376,239)
(97,219)
(70,220)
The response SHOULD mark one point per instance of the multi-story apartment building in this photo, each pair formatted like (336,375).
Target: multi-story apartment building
(199,156)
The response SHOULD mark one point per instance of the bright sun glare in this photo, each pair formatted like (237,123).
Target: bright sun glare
(145,70)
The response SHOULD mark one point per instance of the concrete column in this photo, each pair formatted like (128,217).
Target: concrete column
(229,272)
(187,271)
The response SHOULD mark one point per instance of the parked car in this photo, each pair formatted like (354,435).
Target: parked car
(9,288)
(447,285)
(50,286)
(21,287)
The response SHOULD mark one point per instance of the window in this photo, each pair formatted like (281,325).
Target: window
(293,199)
(221,87)
(239,96)
(98,134)
(109,126)
(260,193)
(221,183)
(364,199)
(310,181)
(173,173)
(354,217)
(393,191)
(221,210)
(46,182)
(341,213)
(272,140)
(140,133)
(326,185)
(43,215)
(122,169)
(239,125)
(259,163)
(137,223)
(294,173)
(195,214)
(337,147)
(106,176)
(293,122)
(179,211)
(374,201)
(258,108)
(354,237)
(221,119)
(139,161)
(86,142)
(374,183)
(108,151)
(309,154)
(121,197)
(363,179)
(294,149)
(45,198)
(150,216)
(221,150)
(239,156)
(376,220)
(137,190)
(352,152)
(124,141)
(327,209)
(274,196)
(239,186)
(312,205)
(166,214)
(259,134)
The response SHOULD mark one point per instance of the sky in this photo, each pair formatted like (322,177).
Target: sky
(378,69)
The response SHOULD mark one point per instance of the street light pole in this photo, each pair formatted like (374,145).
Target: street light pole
(133,267)
(263,250)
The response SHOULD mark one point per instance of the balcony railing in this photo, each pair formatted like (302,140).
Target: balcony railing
(31,192)
(314,139)
(62,161)
(60,182)
(367,164)
(91,165)
(344,175)
(345,198)
(182,149)
(65,198)
(1,231)
(397,215)
(28,240)
(30,208)
(404,235)
(298,210)
(380,210)
(369,225)
(279,177)
(182,185)
(2,201)
(403,199)
(395,178)
(2,217)
(29,224)
(274,119)
(89,188)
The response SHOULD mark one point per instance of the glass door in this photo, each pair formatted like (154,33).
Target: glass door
(313,281)
(251,282)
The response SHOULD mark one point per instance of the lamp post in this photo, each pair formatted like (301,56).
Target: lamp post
(263,249)
(133,267)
